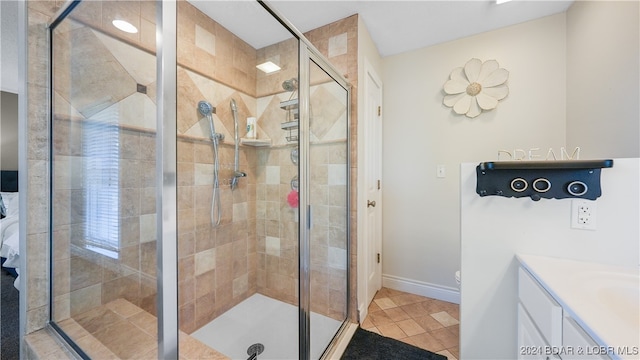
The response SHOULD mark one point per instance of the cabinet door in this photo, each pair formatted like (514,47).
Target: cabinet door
(577,343)
(531,344)
(544,310)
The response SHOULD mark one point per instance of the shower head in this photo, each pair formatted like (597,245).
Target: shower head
(205,108)
(290,85)
(234,107)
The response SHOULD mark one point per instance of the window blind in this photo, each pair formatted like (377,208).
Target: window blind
(101,146)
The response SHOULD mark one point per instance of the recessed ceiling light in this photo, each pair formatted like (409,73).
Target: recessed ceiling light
(125,26)
(498,2)
(268,67)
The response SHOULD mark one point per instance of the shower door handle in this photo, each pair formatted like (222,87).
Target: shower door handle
(371,203)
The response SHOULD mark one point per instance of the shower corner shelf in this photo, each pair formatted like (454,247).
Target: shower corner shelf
(255,142)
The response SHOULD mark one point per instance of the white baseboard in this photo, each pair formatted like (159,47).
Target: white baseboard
(416,287)
(363,310)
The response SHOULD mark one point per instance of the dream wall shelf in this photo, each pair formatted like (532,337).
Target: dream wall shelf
(576,179)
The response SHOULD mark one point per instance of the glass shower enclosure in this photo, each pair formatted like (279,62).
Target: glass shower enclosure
(199,203)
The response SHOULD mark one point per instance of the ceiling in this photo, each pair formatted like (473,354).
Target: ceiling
(395,26)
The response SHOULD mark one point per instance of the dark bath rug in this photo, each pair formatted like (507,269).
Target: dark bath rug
(368,345)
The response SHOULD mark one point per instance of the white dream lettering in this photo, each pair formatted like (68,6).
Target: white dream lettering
(534,154)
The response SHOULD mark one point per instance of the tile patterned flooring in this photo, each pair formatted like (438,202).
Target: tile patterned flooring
(108,332)
(121,330)
(427,323)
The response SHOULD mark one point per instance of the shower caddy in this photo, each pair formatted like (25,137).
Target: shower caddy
(291,123)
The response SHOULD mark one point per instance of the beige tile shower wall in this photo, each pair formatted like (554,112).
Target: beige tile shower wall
(217,266)
(276,226)
(338,42)
(270,92)
(285,54)
(141,14)
(208,48)
(277,219)
(84,279)
(35,277)
(328,196)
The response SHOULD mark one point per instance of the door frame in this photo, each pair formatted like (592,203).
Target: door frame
(363,242)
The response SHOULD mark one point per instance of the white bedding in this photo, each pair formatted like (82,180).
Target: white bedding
(9,235)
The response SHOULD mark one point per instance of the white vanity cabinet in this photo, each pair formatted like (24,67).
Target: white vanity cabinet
(577,310)
(545,330)
(539,320)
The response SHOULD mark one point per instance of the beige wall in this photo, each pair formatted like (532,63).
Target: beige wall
(571,84)
(9,131)
(562,93)
(421,214)
(603,78)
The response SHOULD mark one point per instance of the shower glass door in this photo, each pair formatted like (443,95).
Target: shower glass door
(103,176)
(238,277)
(328,181)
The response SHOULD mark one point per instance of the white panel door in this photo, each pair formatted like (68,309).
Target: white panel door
(373,183)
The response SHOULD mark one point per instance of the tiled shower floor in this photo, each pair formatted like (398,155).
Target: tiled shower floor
(121,330)
(260,319)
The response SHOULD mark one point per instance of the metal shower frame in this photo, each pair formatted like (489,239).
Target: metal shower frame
(166,177)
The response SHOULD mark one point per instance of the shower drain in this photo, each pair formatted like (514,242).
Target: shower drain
(254,350)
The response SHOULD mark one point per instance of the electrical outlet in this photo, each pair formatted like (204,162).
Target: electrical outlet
(583,215)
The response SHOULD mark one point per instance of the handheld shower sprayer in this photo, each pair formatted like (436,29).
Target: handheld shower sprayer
(205,108)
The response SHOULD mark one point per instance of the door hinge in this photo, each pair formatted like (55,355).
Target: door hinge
(378,184)
(379,110)
(378,257)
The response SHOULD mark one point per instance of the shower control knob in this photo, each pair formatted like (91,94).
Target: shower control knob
(371,203)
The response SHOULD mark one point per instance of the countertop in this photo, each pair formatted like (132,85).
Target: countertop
(603,299)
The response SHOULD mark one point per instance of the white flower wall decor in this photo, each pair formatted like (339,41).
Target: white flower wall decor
(476,87)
